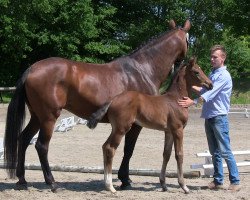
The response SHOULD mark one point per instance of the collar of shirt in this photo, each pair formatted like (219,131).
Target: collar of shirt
(219,69)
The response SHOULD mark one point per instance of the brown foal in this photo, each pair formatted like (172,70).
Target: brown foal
(155,112)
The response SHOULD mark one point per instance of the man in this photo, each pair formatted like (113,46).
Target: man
(216,103)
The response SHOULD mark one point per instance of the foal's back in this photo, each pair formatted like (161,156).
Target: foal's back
(155,112)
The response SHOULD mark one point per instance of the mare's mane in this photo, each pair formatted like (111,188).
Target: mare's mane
(152,41)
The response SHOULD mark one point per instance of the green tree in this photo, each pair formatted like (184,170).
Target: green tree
(36,29)
(101,30)
(140,20)
(236,16)
(238,54)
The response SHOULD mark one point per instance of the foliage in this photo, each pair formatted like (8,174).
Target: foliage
(139,20)
(37,29)
(101,30)
(236,16)
(238,55)
(241,92)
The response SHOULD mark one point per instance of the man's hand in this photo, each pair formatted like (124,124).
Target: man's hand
(185,102)
(196,89)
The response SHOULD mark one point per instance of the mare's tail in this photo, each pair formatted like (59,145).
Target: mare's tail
(97,116)
(14,125)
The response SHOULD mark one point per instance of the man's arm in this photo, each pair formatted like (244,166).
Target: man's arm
(187,102)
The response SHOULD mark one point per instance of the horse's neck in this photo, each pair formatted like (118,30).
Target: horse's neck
(179,86)
(158,58)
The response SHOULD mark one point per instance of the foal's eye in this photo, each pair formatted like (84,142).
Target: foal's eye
(197,73)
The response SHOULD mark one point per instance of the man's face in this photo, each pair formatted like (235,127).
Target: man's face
(217,58)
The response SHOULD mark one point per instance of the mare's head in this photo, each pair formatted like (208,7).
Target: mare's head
(194,76)
(181,36)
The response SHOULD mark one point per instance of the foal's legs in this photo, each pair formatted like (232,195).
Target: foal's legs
(42,146)
(166,156)
(109,148)
(24,140)
(178,144)
(130,141)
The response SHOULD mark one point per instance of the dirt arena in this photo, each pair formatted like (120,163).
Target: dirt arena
(82,147)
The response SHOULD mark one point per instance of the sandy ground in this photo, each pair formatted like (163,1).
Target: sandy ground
(82,147)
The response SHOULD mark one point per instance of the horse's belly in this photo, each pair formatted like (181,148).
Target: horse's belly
(152,125)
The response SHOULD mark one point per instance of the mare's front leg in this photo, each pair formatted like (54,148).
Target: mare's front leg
(109,148)
(166,156)
(23,143)
(178,144)
(42,146)
(130,141)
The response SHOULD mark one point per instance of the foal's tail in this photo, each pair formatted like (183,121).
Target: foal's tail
(98,115)
(14,125)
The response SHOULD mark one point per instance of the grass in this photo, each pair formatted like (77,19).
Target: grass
(241,91)
(6,97)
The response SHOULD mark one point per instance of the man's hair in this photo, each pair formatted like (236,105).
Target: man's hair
(218,47)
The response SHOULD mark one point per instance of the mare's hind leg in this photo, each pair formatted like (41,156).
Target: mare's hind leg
(42,146)
(130,141)
(24,141)
(178,144)
(166,156)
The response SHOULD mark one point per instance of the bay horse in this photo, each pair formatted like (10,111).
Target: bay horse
(155,112)
(53,84)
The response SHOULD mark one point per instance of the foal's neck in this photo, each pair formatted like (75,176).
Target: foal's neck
(179,86)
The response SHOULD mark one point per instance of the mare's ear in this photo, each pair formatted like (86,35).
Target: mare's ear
(171,24)
(192,61)
(187,26)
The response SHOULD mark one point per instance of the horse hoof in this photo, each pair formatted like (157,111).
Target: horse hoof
(21,186)
(164,188)
(163,185)
(55,188)
(124,178)
(125,186)
(113,191)
(110,187)
(186,190)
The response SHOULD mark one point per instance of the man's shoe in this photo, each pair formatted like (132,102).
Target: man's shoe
(215,186)
(234,187)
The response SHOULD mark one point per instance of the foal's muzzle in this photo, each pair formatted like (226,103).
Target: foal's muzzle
(208,85)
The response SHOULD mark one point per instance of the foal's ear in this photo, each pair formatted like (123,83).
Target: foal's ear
(192,61)
(171,24)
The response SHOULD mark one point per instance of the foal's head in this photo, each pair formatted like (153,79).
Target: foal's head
(195,76)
